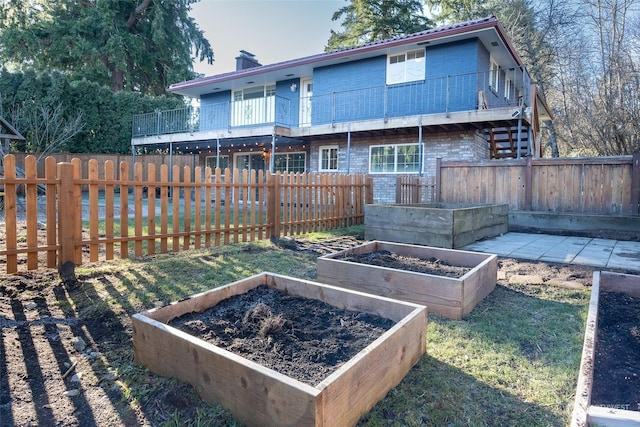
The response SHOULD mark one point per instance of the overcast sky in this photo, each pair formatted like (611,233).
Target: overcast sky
(273,30)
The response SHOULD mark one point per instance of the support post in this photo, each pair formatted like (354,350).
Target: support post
(635,184)
(438,179)
(67,213)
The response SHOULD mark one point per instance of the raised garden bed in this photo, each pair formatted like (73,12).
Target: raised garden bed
(615,406)
(444,225)
(452,297)
(260,396)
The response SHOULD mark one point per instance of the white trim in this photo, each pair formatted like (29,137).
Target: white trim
(395,158)
(408,66)
(494,75)
(328,147)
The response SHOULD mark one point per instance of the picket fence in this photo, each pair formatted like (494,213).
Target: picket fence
(147,210)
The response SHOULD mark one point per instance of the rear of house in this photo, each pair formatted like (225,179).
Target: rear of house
(391,107)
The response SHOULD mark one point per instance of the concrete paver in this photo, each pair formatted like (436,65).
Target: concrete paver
(593,252)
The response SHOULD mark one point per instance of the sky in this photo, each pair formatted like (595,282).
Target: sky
(272,30)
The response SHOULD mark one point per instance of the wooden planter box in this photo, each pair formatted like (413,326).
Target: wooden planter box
(584,413)
(259,396)
(450,297)
(441,225)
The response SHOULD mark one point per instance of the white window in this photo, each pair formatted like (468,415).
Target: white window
(398,158)
(406,67)
(253,105)
(328,158)
(494,76)
(290,162)
(508,88)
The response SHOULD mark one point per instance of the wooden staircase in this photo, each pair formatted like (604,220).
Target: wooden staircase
(503,142)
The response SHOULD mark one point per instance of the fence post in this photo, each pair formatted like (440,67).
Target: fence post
(66,222)
(399,189)
(369,191)
(438,179)
(273,204)
(528,190)
(635,184)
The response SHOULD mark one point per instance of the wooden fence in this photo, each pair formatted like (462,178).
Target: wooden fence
(595,185)
(144,211)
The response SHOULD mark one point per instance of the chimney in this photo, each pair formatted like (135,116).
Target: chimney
(246,60)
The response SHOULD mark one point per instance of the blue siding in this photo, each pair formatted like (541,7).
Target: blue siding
(215,111)
(350,91)
(459,60)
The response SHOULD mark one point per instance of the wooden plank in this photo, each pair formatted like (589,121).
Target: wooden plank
(175,202)
(31,173)
(138,177)
(164,208)
(151,209)
(227,205)
(186,208)
(245,190)
(236,205)
(197,207)
(262,199)
(50,199)
(10,214)
(218,211)
(77,203)
(207,206)
(124,210)
(619,282)
(94,233)
(109,176)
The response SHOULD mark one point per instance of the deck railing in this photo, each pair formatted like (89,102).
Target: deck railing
(460,92)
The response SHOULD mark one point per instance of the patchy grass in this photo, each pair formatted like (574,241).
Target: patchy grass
(513,361)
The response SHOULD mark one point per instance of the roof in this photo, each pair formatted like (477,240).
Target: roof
(488,29)
(9,132)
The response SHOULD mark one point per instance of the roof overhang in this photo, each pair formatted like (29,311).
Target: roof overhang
(488,30)
(9,132)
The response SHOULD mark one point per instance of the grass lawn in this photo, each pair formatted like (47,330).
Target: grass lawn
(513,361)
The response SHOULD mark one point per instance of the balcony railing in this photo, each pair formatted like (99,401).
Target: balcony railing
(462,92)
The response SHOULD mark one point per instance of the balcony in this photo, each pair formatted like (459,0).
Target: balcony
(443,96)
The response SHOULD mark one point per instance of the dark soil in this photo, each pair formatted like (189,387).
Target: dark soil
(416,265)
(302,338)
(616,374)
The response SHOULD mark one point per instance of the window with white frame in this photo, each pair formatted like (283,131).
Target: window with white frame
(406,67)
(394,158)
(290,162)
(494,76)
(212,162)
(508,88)
(328,158)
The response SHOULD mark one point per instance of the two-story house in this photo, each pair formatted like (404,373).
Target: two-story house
(458,92)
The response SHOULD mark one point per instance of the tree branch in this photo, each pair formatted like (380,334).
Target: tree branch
(138,11)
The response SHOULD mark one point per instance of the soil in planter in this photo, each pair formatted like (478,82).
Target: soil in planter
(414,264)
(302,338)
(616,373)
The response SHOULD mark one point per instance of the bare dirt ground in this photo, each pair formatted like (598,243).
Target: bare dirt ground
(52,368)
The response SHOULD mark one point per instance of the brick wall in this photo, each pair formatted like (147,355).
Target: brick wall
(461,145)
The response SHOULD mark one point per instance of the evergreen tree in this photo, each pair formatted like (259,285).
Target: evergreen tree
(135,45)
(366,21)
